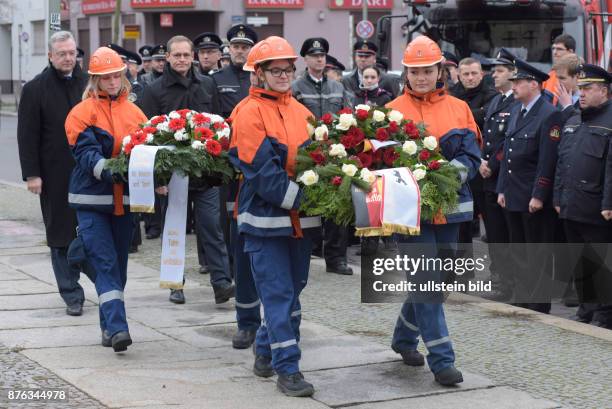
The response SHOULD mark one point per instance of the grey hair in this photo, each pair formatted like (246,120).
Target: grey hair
(59,37)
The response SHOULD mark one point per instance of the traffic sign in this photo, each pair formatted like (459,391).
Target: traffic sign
(365,29)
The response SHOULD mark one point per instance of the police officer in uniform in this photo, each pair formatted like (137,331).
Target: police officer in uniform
(145,54)
(365,57)
(232,81)
(496,122)
(333,68)
(583,193)
(322,95)
(226,58)
(158,61)
(525,184)
(207,47)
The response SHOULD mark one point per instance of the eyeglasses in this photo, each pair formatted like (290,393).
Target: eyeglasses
(179,56)
(558,49)
(277,72)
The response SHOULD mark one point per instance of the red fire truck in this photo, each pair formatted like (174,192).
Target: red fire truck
(524,27)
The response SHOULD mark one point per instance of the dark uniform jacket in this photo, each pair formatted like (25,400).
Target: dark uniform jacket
(323,97)
(149,77)
(232,84)
(496,122)
(378,97)
(530,156)
(477,99)
(583,183)
(172,91)
(43,147)
(389,82)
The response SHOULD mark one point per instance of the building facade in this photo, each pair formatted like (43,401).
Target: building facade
(155,21)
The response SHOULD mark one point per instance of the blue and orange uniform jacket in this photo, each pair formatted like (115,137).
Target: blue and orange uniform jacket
(268,130)
(450,120)
(95,129)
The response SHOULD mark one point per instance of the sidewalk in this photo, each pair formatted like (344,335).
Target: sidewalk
(182,355)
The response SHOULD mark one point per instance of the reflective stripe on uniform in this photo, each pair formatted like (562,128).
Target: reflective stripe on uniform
(462,169)
(97,170)
(79,198)
(110,295)
(438,341)
(276,222)
(407,324)
(250,305)
(296,313)
(318,96)
(290,195)
(462,208)
(229,206)
(283,344)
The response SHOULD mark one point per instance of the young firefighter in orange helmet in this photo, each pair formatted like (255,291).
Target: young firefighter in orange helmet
(450,120)
(267,132)
(95,129)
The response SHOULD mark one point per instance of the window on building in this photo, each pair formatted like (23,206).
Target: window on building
(38,38)
(266,24)
(106,30)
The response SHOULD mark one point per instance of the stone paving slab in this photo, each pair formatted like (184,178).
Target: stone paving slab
(33,302)
(69,336)
(26,287)
(385,381)
(7,274)
(189,314)
(46,318)
(504,398)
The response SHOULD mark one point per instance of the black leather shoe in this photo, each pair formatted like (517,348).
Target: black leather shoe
(133,249)
(243,339)
(413,358)
(120,341)
(340,268)
(106,339)
(203,269)
(74,310)
(294,385)
(152,235)
(263,366)
(224,292)
(449,376)
(177,296)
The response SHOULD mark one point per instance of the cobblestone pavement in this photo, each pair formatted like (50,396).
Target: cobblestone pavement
(19,372)
(510,349)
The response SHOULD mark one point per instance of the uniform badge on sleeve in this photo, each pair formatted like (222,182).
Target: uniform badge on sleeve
(555,133)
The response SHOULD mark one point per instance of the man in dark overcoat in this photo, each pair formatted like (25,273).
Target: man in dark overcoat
(46,160)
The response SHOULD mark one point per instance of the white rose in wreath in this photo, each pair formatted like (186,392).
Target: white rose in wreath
(409,147)
(197,145)
(395,116)
(430,142)
(174,115)
(346,121)
(419,172)
(181,135)
(367,176)
(378,116)
(321,132)
(349,169)
(310,177)
(363,106)
(337,149)
(310,129)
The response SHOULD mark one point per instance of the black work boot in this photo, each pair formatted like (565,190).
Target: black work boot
(243,339)
(75,310)
(106,339)
(294,385)
(224,292)
(413,358)
(339,268)
(121,340)
(449,376)
(177,296)
(263,366)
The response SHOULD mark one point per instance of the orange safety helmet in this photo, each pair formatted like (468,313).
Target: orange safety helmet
(274,48)
(422,52)
(105,61)
(249,65)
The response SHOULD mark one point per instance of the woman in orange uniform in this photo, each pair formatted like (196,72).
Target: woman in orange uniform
(450,120)
(95,129)
(267,131)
